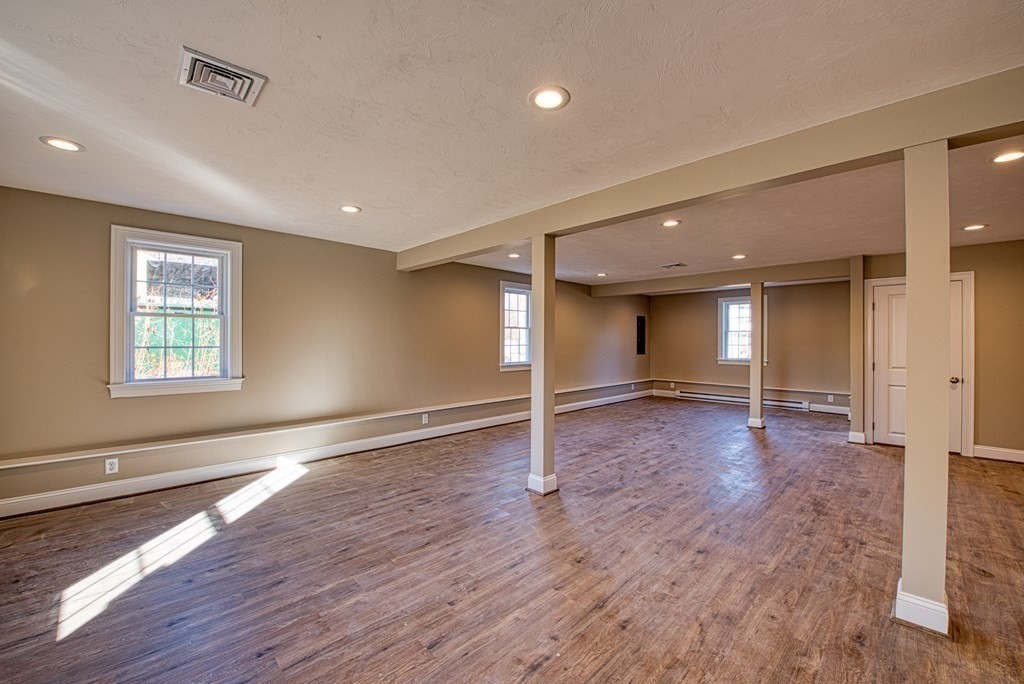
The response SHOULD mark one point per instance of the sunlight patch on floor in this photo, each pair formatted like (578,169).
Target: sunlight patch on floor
(83,601)
(234,506)
(86,599)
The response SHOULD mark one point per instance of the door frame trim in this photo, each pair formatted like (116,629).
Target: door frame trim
(967,382)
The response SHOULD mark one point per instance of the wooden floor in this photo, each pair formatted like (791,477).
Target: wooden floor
(682,547)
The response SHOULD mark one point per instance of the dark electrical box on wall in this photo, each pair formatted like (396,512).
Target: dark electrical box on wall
(641,335)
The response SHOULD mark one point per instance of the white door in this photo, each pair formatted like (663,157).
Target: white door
(890,369)
(957,330)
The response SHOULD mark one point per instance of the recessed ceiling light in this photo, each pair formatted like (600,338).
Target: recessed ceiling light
(670,223)
(513,255)
(739,256)
(976,226)
(1009,156)
(351,209)
(62,144)
(601,275)
(549,97)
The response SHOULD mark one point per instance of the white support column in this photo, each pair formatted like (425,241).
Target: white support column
(856,434)
(921,592)
(756,419)
(542,478)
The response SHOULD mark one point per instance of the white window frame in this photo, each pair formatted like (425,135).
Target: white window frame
(723,302)
(524,365)
(122,240)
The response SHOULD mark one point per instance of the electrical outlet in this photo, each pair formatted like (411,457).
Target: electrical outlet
(110,466)
(426,418)
(831,398)
(671,385)
(632,386)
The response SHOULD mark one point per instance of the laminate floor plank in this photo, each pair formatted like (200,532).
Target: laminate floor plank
(682,547)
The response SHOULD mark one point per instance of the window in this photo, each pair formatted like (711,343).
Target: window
(734,330)
(515,326)
(175,313)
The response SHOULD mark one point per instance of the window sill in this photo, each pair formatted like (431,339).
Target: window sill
(507,368)
(157,387)
(737,362)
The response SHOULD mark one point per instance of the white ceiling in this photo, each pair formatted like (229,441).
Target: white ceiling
(857,212)
(417,111)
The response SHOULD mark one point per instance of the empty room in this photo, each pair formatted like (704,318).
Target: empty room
(504,341)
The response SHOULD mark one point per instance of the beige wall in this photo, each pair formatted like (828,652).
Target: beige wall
(808,339)
(329,330)
(595,341)
(999,321)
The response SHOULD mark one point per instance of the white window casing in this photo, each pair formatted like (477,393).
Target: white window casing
(729,350)
(222,257)
(516,310)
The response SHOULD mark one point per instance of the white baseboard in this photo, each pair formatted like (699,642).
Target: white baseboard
(920,611)
(746,388)
(755,422)
(830,408)
(999,453)
(796,404)
(792,404)
(137,485)
(20,505)
(542,485)
(857,438)
(590,403)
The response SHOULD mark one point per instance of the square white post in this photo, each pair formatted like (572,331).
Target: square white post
(542,478)
(756,419)
(921,593)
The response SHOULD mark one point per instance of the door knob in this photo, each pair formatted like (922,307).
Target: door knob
(954,380)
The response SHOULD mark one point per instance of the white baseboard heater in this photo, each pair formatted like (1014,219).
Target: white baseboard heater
(792,404)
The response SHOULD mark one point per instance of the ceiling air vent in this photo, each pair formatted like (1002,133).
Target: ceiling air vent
(678,264)
(217,77)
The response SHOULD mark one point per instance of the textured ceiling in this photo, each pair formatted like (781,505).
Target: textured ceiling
(858,212)
(417,111)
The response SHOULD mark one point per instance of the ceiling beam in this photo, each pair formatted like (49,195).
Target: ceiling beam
(810,271)
(993,104)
